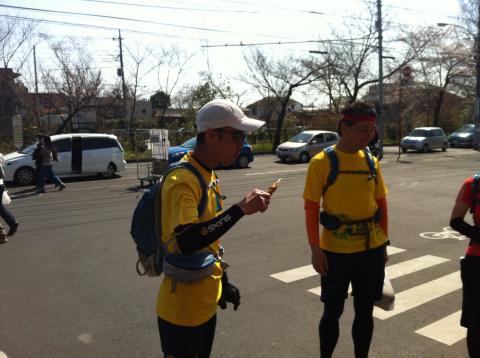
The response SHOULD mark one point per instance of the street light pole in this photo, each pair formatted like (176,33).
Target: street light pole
(380,121)
(476,56)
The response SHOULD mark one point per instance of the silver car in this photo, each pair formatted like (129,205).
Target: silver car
(303,146)
(425,139)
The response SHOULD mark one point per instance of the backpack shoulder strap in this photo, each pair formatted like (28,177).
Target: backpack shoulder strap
(334,167)
(371,164)
(186,165)
(475,191)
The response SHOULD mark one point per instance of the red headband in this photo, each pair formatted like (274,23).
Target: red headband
(354,118)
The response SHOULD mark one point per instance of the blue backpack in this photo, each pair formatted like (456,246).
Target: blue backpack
(146,231)
(334,167)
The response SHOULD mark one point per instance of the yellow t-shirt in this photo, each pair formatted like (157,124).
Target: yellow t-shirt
(351,197)
(191,304)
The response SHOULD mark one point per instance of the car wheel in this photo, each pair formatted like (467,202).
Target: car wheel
(24,176)
(111,170)
(444,147)
(242,161)
(425,148)
(304,157)
(404,150)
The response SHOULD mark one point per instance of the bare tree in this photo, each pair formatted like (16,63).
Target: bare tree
(352,58)
(446,67)
(279,78)
(172,63)
(75,85)
(17,37)
(139,67)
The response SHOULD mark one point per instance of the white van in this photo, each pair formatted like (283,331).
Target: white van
(78,154)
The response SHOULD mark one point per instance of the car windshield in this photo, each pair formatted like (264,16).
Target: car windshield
(301,138)
(419,133)
(467,128)
(28,149)
(191,143)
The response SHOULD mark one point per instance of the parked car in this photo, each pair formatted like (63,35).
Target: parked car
(425,139)
(78,154)
(462,137)
(176,153)
(303,146)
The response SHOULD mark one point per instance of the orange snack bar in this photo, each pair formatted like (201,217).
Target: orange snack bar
(271,189)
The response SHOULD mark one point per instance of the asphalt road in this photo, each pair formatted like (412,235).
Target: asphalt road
(68,286)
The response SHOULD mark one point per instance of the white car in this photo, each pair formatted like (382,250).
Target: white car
(78,154)
(303,146)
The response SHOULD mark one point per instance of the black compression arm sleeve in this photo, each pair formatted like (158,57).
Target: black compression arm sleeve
(194,237)
(466,229)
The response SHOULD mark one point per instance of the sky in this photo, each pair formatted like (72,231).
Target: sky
(212,30)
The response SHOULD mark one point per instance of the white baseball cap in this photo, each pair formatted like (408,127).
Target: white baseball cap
(221,113)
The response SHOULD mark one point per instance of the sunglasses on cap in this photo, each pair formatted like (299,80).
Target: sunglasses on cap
(238,136)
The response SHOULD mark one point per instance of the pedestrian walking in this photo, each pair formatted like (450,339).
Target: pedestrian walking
(37,157)
(346,182)
(4,212)
(187,310)
(468,200)
(48,155)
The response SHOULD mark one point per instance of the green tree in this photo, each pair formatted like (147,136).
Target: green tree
(160,102)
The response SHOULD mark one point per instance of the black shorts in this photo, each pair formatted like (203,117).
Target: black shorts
(470,272)
(187,341)
(365,270)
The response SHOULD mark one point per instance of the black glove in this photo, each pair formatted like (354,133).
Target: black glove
(229,294)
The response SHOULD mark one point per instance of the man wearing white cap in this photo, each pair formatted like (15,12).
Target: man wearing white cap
(187,310)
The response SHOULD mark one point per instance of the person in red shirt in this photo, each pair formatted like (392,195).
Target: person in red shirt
(467,199)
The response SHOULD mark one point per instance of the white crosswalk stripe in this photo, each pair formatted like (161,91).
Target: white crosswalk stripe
(419,295)
(300,273)
(447,330)
(402,268)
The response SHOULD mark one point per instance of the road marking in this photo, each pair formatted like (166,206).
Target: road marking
(278,171)
(392,250)
(402,268)
(85,338)
(295,274)
(413,265)
(447,330)
(300,273)
(419,295)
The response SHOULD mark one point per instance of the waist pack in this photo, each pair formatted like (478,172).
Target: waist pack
(332,222)
(146,230)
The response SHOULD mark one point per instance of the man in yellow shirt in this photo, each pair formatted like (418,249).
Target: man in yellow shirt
(187,310)
(352,246)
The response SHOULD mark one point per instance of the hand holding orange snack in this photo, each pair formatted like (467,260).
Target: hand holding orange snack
(271,189)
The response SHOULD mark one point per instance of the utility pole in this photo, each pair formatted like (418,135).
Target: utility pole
(121,72)
(35,104)
(380,121)
(476,56)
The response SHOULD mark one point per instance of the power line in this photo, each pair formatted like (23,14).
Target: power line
(273,7)
(98,27)
(171,7)
(128,19)
(420,11)
(241,44)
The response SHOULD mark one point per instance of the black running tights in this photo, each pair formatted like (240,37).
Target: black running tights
(473,342)
(362,328)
